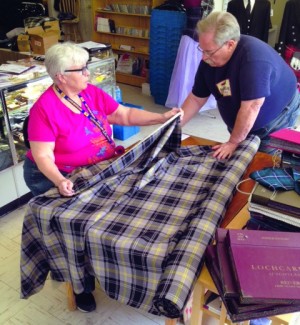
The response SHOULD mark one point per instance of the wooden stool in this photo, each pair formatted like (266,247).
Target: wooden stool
(204,283)
(70,297)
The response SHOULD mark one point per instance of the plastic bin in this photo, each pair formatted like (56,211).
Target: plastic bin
(122,132)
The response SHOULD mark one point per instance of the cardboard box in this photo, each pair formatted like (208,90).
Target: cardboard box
(23,43)
(42,38)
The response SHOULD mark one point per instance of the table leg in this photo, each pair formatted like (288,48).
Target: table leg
(223,315)
(70,297)
(170,321)
(198,302)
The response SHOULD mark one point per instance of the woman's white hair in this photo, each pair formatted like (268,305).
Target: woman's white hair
(62,56)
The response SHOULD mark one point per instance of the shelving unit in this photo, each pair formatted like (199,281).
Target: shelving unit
(132,30)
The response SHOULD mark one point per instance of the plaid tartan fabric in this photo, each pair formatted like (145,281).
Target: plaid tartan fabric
(36,21)
(278,178)
(140,223)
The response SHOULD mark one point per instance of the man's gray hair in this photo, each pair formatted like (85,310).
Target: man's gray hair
(223,24)
(62,56)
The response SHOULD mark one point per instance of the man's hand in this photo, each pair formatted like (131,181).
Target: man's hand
(224,150)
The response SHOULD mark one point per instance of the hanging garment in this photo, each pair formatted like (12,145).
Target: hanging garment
(182,79)
(290,27)
(188,58)
(288,45)
(259,22)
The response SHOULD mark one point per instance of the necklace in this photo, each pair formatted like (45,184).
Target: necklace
(87,112)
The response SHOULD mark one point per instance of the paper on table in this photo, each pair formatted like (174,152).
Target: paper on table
(14,68)
(91,45)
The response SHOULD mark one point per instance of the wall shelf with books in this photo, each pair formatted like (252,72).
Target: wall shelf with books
(122,13)
(125,25)
(123,35)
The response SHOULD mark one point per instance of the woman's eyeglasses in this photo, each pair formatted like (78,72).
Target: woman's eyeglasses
(210,53)
(82,70)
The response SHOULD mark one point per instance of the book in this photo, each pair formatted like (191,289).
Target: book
(230,288)
(285,201)
(228,281)
(237,311)
(287,139)
(291,135)
(103,25)
(112,26)
(290,160)
(267,265)
(259,221)
(211,260)
(275,214)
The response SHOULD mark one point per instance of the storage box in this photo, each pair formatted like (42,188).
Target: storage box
(122,132)
(42,38)
(23,43)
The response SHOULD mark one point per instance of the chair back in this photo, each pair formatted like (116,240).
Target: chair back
(70,7)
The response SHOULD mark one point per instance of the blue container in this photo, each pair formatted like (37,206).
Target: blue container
(118,94)
(166,29)
(122,132)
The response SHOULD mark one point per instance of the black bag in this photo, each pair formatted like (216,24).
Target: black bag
(31,9)
(25,132)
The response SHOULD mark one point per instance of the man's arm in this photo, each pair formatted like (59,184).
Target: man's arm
(191,107)
(245,119)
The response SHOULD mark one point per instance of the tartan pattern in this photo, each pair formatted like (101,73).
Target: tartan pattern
(140,223)
(285,179)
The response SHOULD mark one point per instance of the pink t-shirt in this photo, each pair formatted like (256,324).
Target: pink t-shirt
(78,141)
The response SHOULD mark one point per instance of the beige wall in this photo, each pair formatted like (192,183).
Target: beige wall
(278,9)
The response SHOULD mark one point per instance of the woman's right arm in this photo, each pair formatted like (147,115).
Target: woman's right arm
(43,154)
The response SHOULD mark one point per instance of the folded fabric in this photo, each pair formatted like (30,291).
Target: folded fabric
(286,179)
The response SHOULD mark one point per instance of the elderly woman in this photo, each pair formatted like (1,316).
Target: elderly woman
(69,127)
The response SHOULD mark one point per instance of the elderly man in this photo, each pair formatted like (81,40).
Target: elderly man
(256,91)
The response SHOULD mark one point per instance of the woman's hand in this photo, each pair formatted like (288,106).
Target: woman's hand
(172,113)
(65,187)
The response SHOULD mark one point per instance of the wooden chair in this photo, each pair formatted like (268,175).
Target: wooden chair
(70,27)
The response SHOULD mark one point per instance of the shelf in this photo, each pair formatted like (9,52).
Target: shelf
(116,49)
(121,13)
(130,20)
(130,79)
(123,35)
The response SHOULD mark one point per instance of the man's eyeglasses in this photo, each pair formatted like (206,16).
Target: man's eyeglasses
(210,53)
(82,70)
